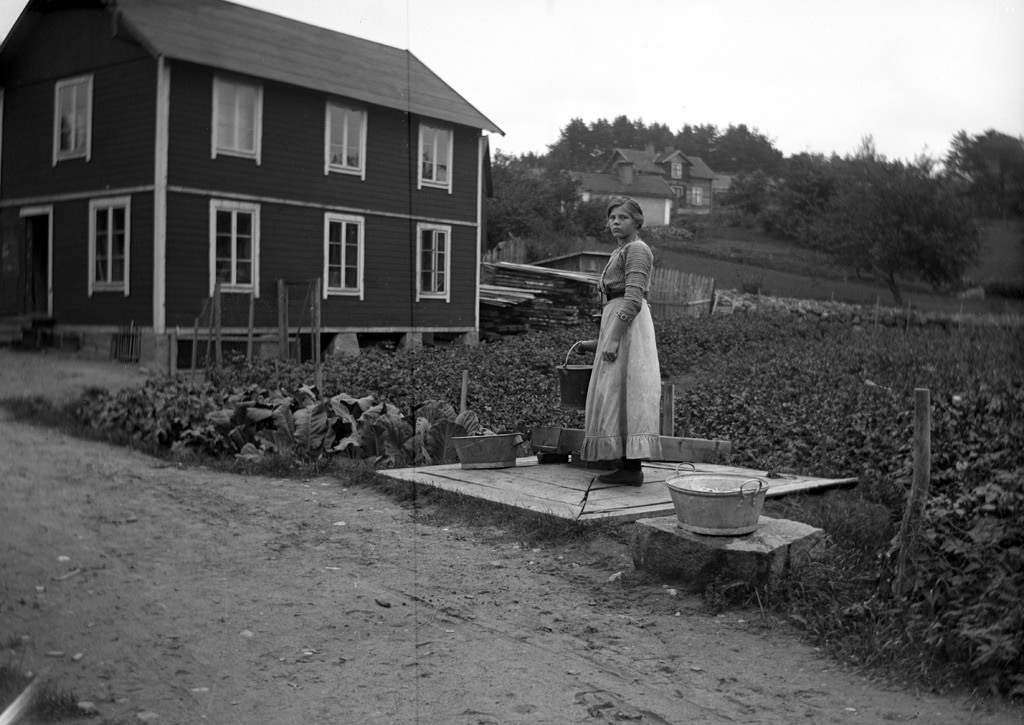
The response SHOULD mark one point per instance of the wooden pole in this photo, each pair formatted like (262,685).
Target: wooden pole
(282,319)
(919,487)
(195,350)
(668,409)
(318,364)
(209,337)
(465,391)
(216,318)
(252,320)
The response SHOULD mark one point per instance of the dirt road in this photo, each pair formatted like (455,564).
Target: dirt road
(170,595)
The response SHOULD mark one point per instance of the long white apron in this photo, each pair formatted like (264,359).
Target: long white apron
(623,410)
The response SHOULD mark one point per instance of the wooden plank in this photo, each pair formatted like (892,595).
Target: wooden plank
(560,489)
(696,450)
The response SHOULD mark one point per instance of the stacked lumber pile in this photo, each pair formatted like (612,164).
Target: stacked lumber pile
(522,297)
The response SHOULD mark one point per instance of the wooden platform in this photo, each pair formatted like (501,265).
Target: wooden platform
(573,492)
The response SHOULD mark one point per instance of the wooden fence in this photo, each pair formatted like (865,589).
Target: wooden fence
(675,293)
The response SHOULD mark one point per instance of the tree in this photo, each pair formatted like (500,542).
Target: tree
(990,169)
(740,149)
(529,202)
(898,220)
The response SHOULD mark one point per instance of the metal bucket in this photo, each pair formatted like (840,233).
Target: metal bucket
(573,381)
(488,451)
(717,504)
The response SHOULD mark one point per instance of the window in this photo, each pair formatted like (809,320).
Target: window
(677,170)
(234,246)
(435,156)
(237,118)
(346,140)
(109,242)
(343,255)
(433,261)
(72,124)
(695,196)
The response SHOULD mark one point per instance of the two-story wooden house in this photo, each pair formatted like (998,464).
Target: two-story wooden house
(688,177)
(150,149)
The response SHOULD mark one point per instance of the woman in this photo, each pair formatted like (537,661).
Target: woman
(624,397)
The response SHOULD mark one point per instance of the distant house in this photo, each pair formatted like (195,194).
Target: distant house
(651,192)
(688,177)
(151,148)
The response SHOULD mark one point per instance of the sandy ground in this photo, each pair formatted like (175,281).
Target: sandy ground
(172,595)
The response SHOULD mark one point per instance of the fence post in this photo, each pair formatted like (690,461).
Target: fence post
(195,350)
(668,409)
(919,487)
(282,319)
(252,320)
(318,367)
(216,318)
(465,391)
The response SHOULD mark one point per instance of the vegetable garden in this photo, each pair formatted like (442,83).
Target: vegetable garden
(805,397)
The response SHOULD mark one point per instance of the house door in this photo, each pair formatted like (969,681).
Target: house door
(35,287)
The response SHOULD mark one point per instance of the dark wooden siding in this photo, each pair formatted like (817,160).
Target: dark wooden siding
(292,164)
(65,43)
(187,257)
(123,122)
(71,301)
(291,237)
(291,248)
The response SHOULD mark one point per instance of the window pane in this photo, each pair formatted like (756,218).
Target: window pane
(244,224)
(442,155)
(246,118)
(223,270)
(81,115)
(244,273)
(355,131)
(334,277)
(117,270)
(351,277)
(244,249)
(225,115)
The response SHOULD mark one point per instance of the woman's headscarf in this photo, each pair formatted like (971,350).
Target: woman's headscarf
(632,208)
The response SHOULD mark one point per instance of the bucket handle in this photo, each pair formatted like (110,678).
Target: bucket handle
(760,485)
(686,463)
(569,354)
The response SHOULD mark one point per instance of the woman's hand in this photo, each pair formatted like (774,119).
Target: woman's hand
(586,346)
(611,352)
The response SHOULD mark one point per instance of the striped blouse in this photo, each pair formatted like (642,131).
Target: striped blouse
(629,271)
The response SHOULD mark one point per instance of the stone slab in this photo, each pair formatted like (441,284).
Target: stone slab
(661,547)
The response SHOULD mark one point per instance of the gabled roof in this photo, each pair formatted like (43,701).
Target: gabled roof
(698,169)
(648,162)
(641,160)
(611,184)
(243,40)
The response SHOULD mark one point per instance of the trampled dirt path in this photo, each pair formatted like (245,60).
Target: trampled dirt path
(170,595)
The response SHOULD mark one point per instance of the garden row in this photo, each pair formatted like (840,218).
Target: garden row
(791,395)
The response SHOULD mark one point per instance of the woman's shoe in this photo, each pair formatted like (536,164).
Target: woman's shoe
(623,477)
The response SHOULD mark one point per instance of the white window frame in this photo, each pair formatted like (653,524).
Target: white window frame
(430,139)
(334,108)
(360,224)
(108,205)
(219,205)
(424,294)
(216,149)
(77,152)
(695,196)
(677,169)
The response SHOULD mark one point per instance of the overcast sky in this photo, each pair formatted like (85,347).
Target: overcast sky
(811,75)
